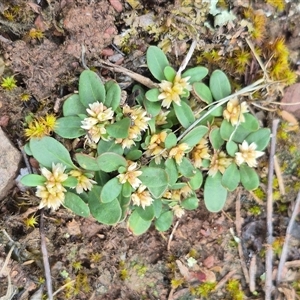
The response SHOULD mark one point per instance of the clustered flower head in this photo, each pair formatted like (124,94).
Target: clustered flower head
(171,91)
(156,147)
(52,192)
(142,197)
(234,113)
(99,117)
(84,182)
(248,154)
(131,175)
(178,152)
(200,152)
(139,123)
(219,162)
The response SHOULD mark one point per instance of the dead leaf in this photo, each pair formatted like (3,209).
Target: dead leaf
(288,292)
(209,261)
(290,119)
(292,96)
(73,228)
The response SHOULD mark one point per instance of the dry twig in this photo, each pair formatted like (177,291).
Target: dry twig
(171,235)
(238,225)
(279,176)
(287,239)
(45,258)
(269,250)
(224,280)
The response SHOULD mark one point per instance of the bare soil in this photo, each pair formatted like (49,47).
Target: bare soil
(103,262)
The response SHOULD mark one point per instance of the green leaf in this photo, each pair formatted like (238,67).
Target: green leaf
(215,138)
(69,127)
(101,177)
(156,61)
(47,150)
(219,85)
(261,138)
(27,149)
(231,177)
(226,130)
(251,122)
(73,107)
(106,213)
(137,225)
(152,95)
(164,221)
(169,73)
(217,111)
(113,95)
(152,108)
(70,182)
(109,161)
(109,146)
(76,205)
(214,193)
(231,148)
(33,180)
(147,213)
(141,93)
(124,203)
(91,88)
(203,92)
(111,190)
(157,206)
(157,191)
(190,203)
(120,129)
(186,168)
(87,162)
(126,189)
(196,181)
(195,136)
(196,74)
(170,141)
(171,170)
(249,177)
(134,155)
(153,177)
(184,114)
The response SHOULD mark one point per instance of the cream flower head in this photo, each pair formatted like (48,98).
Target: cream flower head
(178,211)
(141,197)
(171,91)
(84,183)
(178,152)
(234,113)
(248,154)
(220,162)
(131,175)
(100,112)
(52,192)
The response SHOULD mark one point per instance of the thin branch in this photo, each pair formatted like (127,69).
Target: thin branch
(45,258)
(279,176)
(187,58)
(171,235)
(269,251)
(287,239)
(224,279)
(238,225)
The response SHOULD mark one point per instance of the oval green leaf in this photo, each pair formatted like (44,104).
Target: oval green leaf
(219,85)
(152,95)
(91,88)
(184,114)
(47,150)
(186,168)
(170,141)
(164,221)
(113,95)
(261,138)
(215,194)
(231,178)
(33,180)
(190,203)
(109,161)
(111,190)
(73,107)
(147,213)
(216,139)
(249,177)
(251,122)
(196,74)
(231,148)
(171,170)
(169,73)
(76,205)
(153,177)
(203,92)
(137,225)
(69,127)
(119,129)
(156,61)
(195,136)
(152,108)
(197,180)
(109,146)
(87,162)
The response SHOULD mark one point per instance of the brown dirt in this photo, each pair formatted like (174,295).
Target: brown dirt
(108,262)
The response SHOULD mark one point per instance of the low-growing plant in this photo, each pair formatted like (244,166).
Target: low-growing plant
(146,162)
